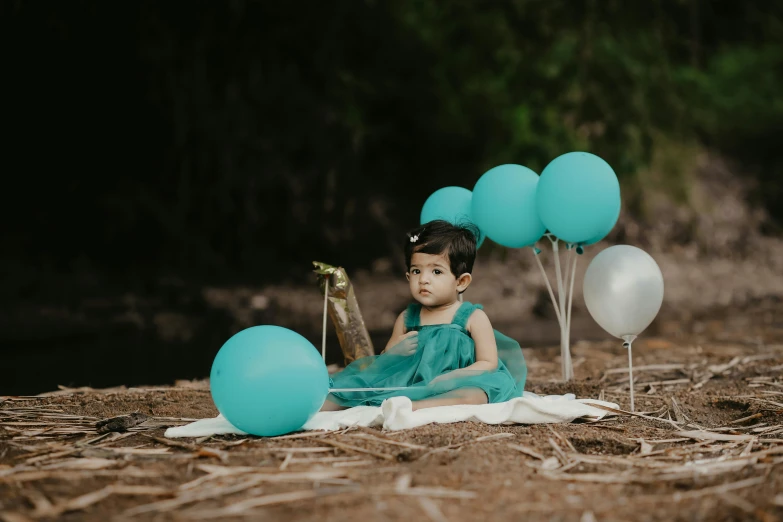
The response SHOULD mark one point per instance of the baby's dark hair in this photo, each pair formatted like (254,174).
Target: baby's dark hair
(441,237)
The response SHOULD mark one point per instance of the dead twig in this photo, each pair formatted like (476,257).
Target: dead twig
(188,497)
(527,451)
(244,506)
(745,419)
(708,435)
(561,438)
(431,509)
(461,444)
(87,500)
(632,414)
(561,456)
(389,441)
(357,449)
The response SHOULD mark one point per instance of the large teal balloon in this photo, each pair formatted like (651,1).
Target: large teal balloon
(504,206)
(578,197)
(606,230)
(452,204)
(268,380)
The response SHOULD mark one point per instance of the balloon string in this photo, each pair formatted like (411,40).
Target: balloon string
(399,388)
(568,319)
(565,334)
(323,330)
(566,269)
(559,275)
(630,371)
(561,300)
(548,286)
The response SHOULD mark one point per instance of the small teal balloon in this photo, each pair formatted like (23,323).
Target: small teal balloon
(452,204)
(578,197)
(268,380)
(504,206)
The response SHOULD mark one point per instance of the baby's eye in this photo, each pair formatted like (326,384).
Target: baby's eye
(415,271)
(438,272)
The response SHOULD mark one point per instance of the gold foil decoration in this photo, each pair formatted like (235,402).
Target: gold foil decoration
(344,311)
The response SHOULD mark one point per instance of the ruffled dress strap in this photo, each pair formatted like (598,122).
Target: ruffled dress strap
(463,314)
(412,317)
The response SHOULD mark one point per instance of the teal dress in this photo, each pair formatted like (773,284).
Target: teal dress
(442,348)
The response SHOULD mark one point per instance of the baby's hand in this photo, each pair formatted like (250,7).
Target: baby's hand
(405,344)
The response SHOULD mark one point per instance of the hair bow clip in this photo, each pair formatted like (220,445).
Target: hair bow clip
(414,239)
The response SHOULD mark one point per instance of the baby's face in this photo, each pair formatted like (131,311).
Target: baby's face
(430,279)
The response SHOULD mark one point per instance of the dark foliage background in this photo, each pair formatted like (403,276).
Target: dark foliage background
(238,139)
(156,152)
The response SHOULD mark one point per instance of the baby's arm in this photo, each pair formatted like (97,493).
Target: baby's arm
(397,332)
(484,336)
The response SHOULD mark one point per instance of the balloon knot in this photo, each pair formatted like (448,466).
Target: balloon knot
(626,345)
(569,246)
(580,250)
(536,250)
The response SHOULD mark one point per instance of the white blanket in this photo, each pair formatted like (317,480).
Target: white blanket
(397,414)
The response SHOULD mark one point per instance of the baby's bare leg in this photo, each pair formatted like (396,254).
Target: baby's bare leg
(453,398)
(331,406)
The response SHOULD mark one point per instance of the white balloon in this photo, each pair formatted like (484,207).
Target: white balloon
(623,289)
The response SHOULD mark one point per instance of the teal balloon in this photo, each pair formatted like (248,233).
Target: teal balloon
(578,197)
(606,230)
(504,206)
(268,380)
(452,204)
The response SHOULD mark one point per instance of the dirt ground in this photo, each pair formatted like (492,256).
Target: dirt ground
(706,444)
